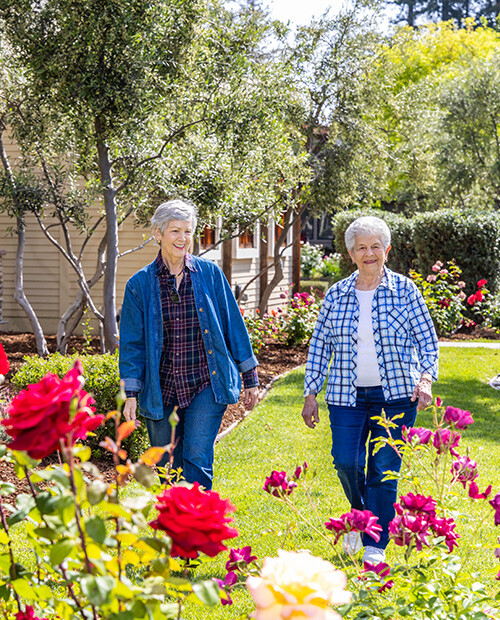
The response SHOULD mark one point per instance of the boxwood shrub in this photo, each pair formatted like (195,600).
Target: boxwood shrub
(102,381)
(470,237)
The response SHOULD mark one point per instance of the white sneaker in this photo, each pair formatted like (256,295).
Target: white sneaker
(352,543)
(374,555)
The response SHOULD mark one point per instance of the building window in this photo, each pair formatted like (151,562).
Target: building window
(207,238)
(246,239)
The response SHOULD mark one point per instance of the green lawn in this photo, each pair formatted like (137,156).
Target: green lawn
(274,437)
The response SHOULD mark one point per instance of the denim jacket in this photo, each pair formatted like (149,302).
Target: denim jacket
(225,337)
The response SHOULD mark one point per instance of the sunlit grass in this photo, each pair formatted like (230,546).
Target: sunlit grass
(275,437)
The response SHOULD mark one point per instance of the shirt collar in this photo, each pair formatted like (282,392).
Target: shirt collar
(349,284)
(162,268)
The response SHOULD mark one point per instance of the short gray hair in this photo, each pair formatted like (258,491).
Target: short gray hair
(368,225)
(174,210)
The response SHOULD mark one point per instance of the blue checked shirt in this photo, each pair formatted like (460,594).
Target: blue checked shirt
(405,340)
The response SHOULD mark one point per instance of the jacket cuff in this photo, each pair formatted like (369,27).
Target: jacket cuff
(248,364)
(132,385)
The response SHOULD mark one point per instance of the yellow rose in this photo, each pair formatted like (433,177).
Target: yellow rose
(297,585)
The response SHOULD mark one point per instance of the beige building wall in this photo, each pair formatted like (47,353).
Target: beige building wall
(51,284)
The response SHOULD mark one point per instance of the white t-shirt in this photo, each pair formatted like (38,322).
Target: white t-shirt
(366,359)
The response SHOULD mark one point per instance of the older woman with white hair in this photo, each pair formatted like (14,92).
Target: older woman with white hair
(183,343)
(375,340)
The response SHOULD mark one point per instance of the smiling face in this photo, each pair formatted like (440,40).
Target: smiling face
(175,240)
(369,255)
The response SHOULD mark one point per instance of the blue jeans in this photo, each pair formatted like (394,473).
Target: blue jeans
(196,432)
(362,474)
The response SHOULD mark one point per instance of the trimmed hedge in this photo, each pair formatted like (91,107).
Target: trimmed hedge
(102,381)
(472,238)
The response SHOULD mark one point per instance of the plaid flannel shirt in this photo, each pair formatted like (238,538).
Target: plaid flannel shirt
(184,371)
(405,340)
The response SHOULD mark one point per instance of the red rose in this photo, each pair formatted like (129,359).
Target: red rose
(479,296)
(4,362)
(195,520)
(482,283)
(27,614)
(48,411)
(471,299)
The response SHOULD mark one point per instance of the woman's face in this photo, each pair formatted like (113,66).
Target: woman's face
(369,254)
(175,240)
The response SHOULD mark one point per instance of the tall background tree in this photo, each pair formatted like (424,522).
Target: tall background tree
(142,101)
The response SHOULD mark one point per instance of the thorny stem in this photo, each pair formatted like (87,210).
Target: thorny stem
(318,531)
(61,567)
(11,552)
(68,454)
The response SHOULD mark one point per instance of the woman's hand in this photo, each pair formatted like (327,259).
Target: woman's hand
(423,391)
(310,411)
(251,397)
(130,409)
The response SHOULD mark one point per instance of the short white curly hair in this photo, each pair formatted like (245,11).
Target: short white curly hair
(367,225)
(174,210)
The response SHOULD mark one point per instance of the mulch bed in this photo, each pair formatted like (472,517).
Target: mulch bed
(274,360)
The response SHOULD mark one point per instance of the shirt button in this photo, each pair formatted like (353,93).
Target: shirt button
(210,352)
(206,331)
(201,309)
(213,372)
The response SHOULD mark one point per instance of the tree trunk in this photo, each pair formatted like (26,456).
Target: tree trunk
(278,262)
(109,288)
(20,297)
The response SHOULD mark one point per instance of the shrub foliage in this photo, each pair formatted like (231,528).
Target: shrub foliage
(102,381)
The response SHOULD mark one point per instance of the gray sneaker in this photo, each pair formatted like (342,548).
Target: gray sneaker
(374,555)
(352,543)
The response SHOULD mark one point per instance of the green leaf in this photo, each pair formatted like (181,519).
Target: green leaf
(6,488)
(47,532)
(5,592)
(207,592)
(60,551)
(144,475)
(158,544)
(98,589)
(47,503)
(23,588)
(55,474)
(96,529)
(96,492)
(17,517)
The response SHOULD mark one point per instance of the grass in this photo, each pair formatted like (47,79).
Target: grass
(274,437)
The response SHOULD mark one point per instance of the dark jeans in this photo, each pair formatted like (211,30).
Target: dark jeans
(362,474)
(196,432)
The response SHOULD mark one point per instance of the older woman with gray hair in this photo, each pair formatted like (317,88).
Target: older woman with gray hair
(375,340)
(183,343)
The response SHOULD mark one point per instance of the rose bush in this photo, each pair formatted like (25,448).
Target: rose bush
(88,550)
(50,412)
(430,581)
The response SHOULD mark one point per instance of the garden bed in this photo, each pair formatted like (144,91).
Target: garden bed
(274,360)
